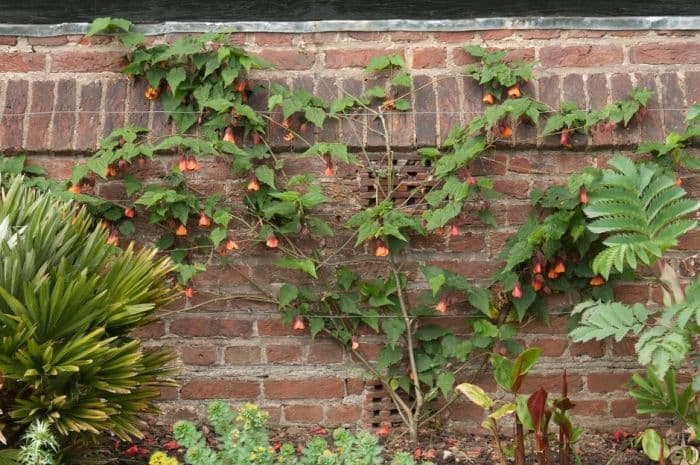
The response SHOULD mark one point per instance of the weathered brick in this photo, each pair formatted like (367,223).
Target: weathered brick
(496,34)
(672,102)
(325,352)
(551,347)
(598,95)
(213,388)
(621,85)
(22,62)
(139,105)
(115,105)
(631,293)
(581,55)
(303,413)
(343,414)
(425,110)
(64,115)
(429,57)
(692,87)
(344,58)
(651,126)
(203,326)
(540,34)
(448,103)
(551,383)
(48,41)
(292,60)
(283,353)
(623,408)
(594,349)
(267,39)
(8,40)
(607,382)
(320,388)
(242,355)
(39,122)
(198,355)
(352,127)
(86,61)
(454,36)
(662,53)
(549,93)
(12,122)
(153,330)
(590,408)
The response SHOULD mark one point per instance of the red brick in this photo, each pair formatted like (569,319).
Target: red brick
(454,36)
(430,57)
(343,58)
(607,382)
(549,94)
(651,127)
(631,293)
(624,408)
(551,347)
(594,349)
(461,57)
(540,34)
(22,62)
(318,388)
(448,103)
(516,188)
(625,347)
(64,115)
(153,330)
(343,414)
(464,411)
(581,55)
(551,383)
(275,327)
(89,116)
(198,327)
(283,353)
(48,41)
(476,269)
(590,408)
(467,241)
(366,36)
(557,325)
(496,34)
(425,110)
(288,59)
(274,414)
(662,53)
(139,105)
(672,99)
(198,355)
(212,388)
(11,124)
(355,386)
(242,355)
(408,36)
(692,83)
(598,94)
(40,121)
(584,34)
(115,105)
(303,413)
(325,352)
(690,241)
(86,62)
(8,40)
(267,39)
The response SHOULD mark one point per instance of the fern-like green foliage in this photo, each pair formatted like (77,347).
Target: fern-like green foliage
(641,210)
(68,303)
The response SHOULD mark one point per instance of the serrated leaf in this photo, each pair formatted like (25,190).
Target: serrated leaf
(266,175)
(288,293)
(175,77)
(315,115)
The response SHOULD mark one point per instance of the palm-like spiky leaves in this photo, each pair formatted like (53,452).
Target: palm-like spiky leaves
(642,211)
(68,302)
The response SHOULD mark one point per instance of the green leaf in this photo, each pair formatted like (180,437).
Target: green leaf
(475,394)
(445,381)
(306,265)
(107,24)
(287,295)
(175,77)
(217,235)
(653,445)
(127,228)
(378,63)
(315,115)
(266,175)
(393,328)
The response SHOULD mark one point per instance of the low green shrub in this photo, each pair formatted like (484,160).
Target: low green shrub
(68,304)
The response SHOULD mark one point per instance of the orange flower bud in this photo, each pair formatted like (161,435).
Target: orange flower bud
(182,165)
(181,230)
(272,241)
(113,238)
(151,93)
(228,135)
(517,292)
(583,195)
(454,231)
(536,285)
(597,281)
(111,171)
(255,138)
(74,189)
(328,171)
(204,220)
(514,91)
(679,181)
(381,250)
(355,343)
(192,164)
(552,274)
(506,132)
(253,184)
(231,245)
(537,269)
(298,323)
(488,99)
(560,268)
(288,136)
(441,306)
(129,212)
(189,291)
(471,181)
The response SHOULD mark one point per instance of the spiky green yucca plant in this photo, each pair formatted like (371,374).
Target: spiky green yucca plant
(68,303)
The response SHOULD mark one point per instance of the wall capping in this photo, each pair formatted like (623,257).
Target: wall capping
(474,24)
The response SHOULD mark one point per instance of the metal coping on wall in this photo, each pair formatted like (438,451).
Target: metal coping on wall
(476,24)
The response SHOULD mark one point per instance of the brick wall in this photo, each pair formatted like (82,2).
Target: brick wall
(58,95)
